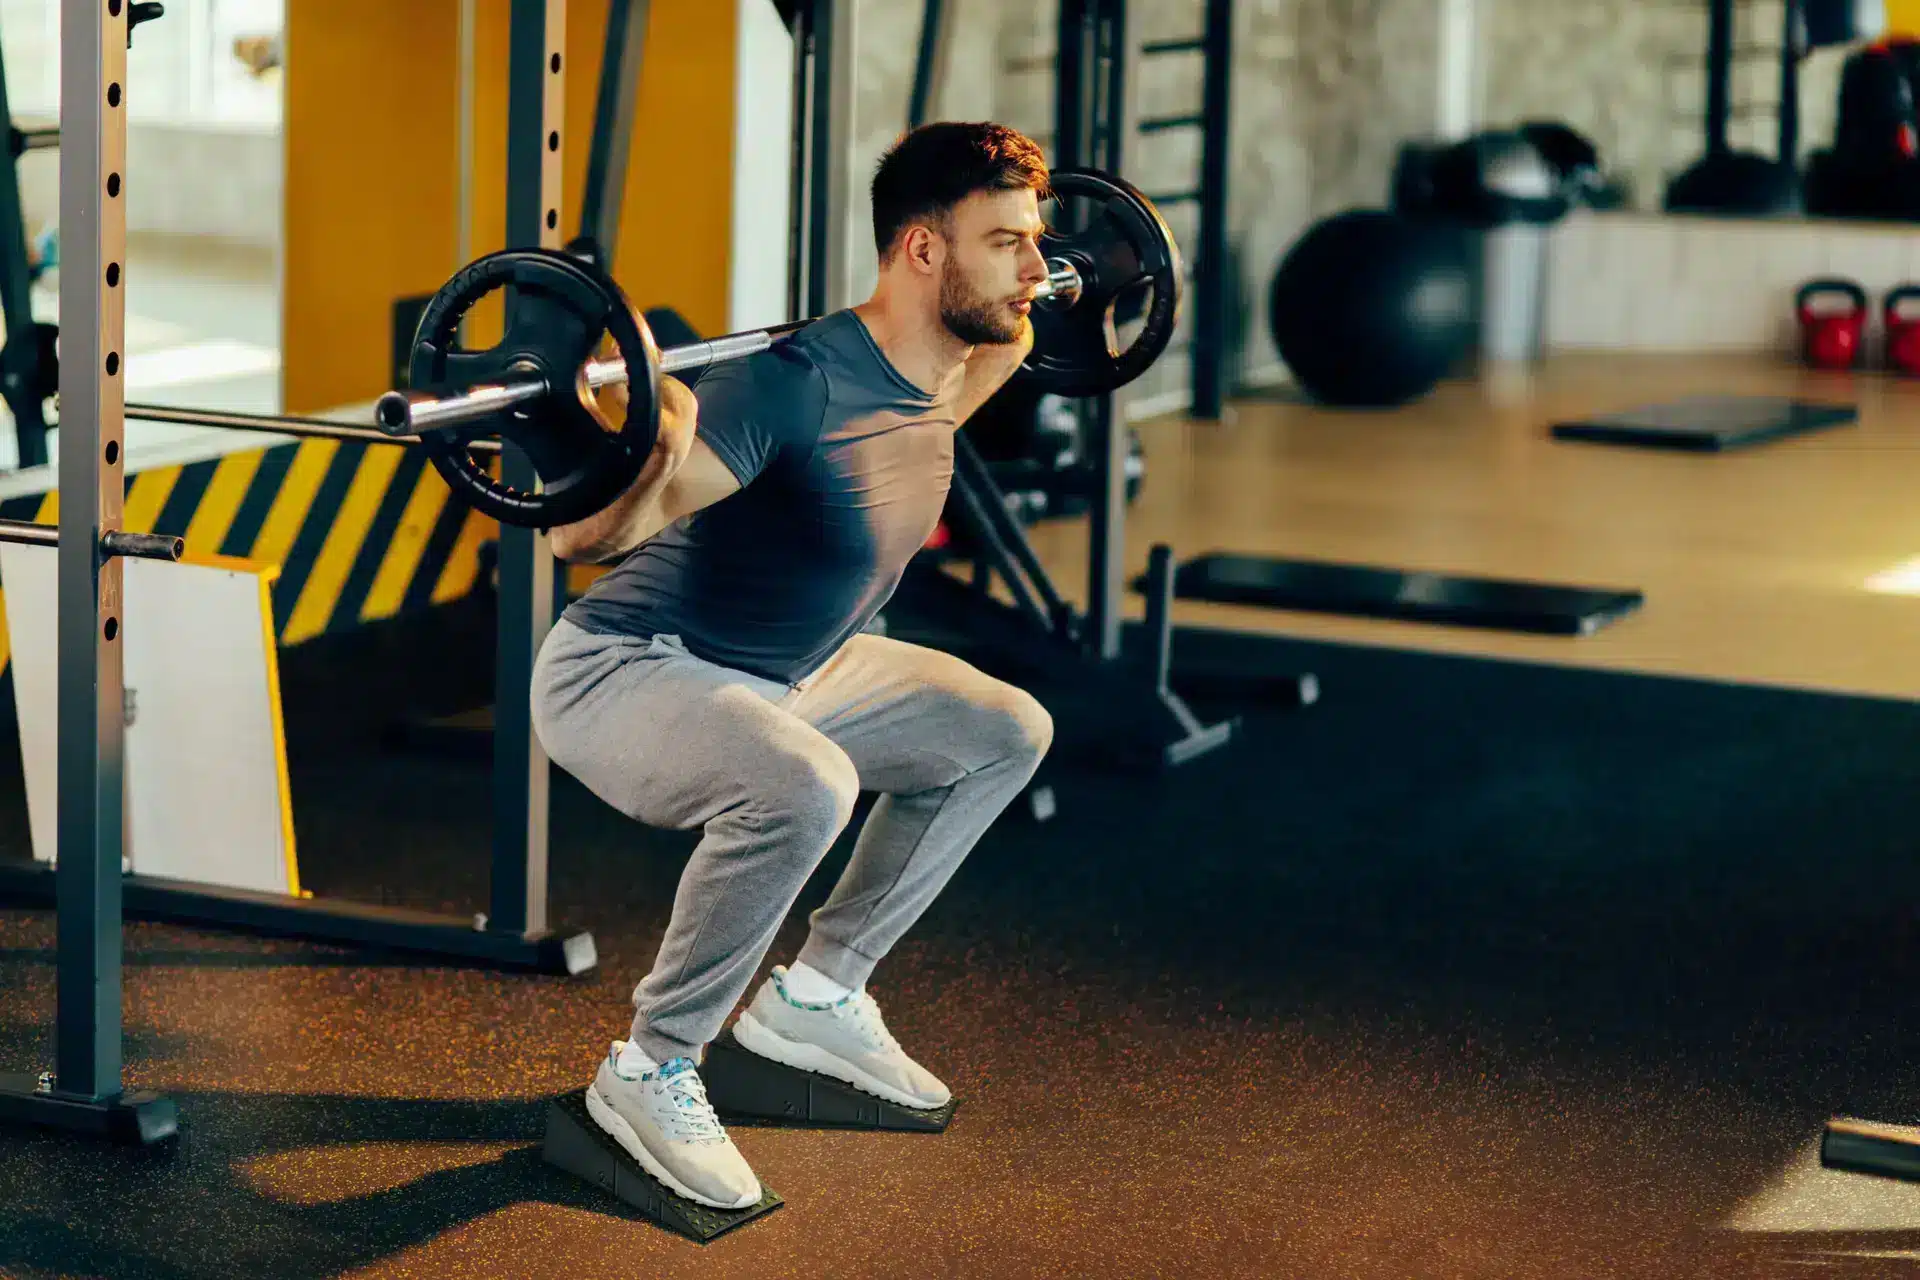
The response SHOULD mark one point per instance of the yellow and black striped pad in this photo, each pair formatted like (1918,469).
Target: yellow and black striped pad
(360,532)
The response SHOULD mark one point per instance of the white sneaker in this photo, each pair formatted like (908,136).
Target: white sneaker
(845,1039)
(662,1119)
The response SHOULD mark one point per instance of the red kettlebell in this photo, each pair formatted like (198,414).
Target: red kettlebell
(1831,338)
(1903,330)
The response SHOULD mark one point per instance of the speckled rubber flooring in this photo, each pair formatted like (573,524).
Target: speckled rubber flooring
(1474,970)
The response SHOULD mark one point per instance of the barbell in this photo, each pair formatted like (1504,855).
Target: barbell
(535,387)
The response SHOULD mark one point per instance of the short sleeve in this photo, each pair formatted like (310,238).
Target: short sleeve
(753,409)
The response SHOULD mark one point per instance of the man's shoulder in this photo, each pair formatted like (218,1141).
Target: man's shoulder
(779,378)
(780,393)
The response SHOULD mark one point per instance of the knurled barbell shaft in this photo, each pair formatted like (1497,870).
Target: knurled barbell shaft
(397,413)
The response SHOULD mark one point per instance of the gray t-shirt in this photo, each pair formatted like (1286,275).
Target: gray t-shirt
(843,466)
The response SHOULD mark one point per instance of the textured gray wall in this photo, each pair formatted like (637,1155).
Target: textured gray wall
(1630,74)
(1324,92)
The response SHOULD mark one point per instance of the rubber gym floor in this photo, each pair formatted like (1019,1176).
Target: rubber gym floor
(1474,969)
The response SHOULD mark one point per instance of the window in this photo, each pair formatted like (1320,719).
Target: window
(182,68)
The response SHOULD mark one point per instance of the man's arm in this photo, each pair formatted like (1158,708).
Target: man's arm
(683,476)
(988,369)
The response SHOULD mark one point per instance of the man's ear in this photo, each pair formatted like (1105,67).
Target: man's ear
(921,246)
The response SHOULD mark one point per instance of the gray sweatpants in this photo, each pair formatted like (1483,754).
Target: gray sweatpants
(771,772)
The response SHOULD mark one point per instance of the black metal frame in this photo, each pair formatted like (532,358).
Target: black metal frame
(1211,296)
(84,1092)
(604,195)
(1040,630)
(815,26)
(20,358)
(1089,130)
(1212,285)
(1720,56)
(929,68)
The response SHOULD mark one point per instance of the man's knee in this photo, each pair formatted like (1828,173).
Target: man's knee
(812,786)
(1021,728)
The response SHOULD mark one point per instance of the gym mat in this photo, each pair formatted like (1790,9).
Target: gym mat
(1482,969)
(1708,424)
(1321,586)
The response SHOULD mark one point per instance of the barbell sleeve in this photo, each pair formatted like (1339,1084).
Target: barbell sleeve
(116,542)
(143,546)
(398,414)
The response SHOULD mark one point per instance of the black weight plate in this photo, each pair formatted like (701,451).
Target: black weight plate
(560,309)
(1118,242)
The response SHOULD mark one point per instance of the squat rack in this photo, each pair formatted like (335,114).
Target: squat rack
(84,1091)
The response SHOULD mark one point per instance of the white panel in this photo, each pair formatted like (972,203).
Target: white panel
(1633,283)
(1642,260)
(1592,302)
(1790,255)
(1699,273)
(204,798)
(1739,309)
(762,168)
(1874,257)
(1911,272)
(1570,283)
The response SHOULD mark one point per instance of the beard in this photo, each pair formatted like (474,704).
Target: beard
(972,318)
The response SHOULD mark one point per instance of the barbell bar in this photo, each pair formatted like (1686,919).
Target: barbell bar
(532,388)
(397,413)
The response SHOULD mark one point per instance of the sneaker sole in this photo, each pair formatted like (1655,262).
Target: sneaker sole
(756,1038)
(620,1131)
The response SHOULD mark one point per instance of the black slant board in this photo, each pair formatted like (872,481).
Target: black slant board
(1708,424)
(1318,586)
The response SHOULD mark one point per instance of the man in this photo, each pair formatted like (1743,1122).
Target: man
(721,676)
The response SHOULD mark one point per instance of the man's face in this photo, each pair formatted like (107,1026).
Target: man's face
(992,267)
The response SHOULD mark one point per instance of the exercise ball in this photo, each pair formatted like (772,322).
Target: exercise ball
(1370,309)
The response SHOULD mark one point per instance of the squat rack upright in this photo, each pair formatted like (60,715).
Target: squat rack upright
(84,1092)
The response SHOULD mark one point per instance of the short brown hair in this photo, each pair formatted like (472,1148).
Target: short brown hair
(933,168)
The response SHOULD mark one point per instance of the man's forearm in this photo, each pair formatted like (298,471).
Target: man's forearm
(602,536)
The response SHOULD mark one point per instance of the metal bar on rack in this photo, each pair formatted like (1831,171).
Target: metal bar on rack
(91,736)
(536,108)
(1210,285)
(1105,129)
(20,359)
(605,193)
(930,64)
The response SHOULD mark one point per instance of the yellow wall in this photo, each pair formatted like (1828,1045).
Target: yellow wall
(373,171)
(1903,19)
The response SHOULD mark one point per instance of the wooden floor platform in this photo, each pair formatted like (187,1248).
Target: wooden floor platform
(1757,565)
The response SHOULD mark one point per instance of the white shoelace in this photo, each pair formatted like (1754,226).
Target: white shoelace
(693,1117)
(864,1013)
